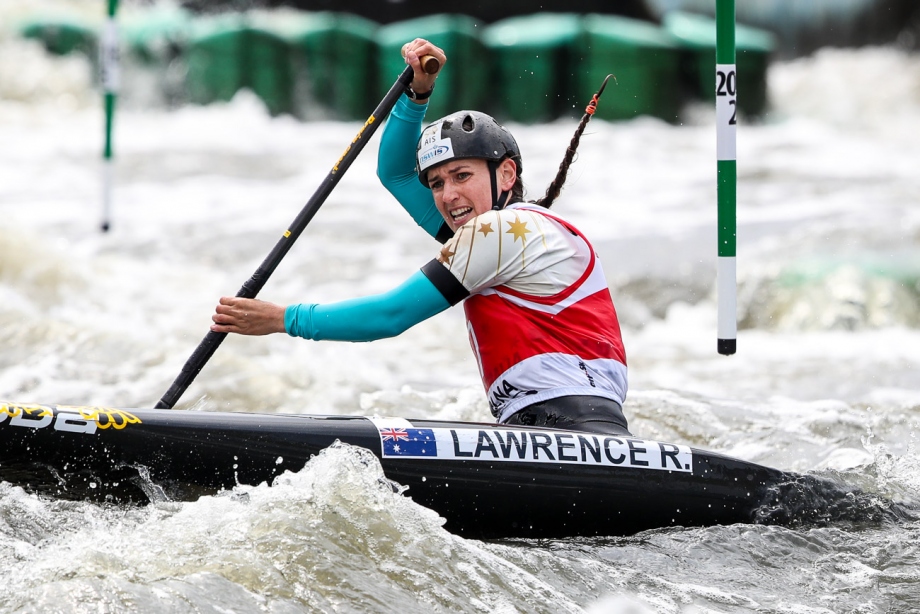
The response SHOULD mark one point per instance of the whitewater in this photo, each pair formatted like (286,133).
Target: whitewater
(826,379)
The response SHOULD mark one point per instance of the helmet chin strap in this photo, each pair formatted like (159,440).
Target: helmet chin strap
(498,200)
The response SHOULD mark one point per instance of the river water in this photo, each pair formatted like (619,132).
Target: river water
(826,379)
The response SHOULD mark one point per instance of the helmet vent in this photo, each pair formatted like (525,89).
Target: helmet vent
(464,135)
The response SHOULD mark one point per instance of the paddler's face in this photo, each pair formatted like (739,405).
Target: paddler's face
(462,189)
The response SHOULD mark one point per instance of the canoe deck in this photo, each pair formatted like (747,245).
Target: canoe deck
(486,480)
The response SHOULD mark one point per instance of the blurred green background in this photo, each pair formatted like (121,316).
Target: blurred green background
(529,67)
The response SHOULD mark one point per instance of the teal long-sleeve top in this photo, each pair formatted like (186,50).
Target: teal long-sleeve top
(396,167)
(368,318)
(391,313)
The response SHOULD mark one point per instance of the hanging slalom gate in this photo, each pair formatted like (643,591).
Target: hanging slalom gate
(110,77)
(726,128)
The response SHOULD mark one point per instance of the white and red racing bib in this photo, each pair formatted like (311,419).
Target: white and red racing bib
(541,320)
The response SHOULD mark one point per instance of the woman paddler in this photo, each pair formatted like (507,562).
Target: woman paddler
(541,321)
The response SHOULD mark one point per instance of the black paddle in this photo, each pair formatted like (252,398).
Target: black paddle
(251,288)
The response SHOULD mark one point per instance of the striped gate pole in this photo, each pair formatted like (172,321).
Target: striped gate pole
(727,173)
(110,77)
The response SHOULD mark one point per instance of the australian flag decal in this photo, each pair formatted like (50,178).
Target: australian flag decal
(408,441)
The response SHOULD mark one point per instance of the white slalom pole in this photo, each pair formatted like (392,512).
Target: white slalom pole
(110,81)
(726,136)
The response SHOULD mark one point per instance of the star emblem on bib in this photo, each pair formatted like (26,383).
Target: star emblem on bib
(445,255)
(485,228)
(518,229)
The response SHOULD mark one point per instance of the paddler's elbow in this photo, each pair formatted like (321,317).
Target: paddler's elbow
(396,322)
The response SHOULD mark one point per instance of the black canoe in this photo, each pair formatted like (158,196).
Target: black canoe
(486,480)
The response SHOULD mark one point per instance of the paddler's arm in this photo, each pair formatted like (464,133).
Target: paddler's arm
(396,163)
(362,319)
(368,318)
(396,167)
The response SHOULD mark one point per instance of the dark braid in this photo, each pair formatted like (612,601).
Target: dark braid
(552,192)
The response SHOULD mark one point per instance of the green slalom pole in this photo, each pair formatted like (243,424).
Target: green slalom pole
(110,73)
(727,173)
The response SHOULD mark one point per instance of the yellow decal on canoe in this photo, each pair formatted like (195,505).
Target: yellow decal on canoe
(104,417)
(41,416)
(12,410)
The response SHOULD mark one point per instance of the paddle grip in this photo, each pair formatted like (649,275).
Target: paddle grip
(430,64)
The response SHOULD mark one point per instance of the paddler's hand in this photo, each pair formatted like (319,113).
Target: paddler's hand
(247,316)
(422,81)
